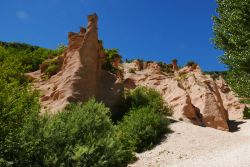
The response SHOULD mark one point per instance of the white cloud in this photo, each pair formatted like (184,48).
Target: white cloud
(22,15)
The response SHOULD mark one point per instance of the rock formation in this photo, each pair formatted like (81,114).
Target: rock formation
(193,96)
(80,76)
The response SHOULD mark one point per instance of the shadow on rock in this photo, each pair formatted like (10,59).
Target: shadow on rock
(234,125)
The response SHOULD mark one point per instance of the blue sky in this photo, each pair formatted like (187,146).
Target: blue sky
(158,30)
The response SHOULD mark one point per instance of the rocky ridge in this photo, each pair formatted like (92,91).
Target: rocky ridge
(193,96)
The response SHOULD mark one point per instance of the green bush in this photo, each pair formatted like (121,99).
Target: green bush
(246,113)
(52,70)
(30,57)
(141,128)
(82,135)
(146,97)
(216,74)
(167,68)
(112,55)
(129,60)
(17,102)
(245,101)
(132,70)
(191,64)
(145,122)
(51,66)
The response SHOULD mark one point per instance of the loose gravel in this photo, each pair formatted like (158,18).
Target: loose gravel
(193,146)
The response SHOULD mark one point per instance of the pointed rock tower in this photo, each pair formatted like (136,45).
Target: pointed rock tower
(80,76)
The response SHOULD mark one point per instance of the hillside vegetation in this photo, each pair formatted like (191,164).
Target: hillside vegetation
(81,135)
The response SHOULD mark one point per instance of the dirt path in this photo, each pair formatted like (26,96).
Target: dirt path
(194,146)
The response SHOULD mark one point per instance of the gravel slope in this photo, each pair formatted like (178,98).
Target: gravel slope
(194,146)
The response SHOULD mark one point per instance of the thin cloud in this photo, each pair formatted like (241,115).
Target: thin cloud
(22,15)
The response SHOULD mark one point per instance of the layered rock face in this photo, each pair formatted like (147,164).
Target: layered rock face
(193,96)
(80,77)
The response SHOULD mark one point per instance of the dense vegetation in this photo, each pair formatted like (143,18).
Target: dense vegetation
(83,134)
(54,62)
(144,122)
(18,104)
(232,35)
(112,56)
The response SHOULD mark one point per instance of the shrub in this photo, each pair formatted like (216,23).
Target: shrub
(82,135)
(51,66)
(181,77)
(167,68)
(146,97)
(52,70)
(18,104)
(191,64)
(28,56)
(245,101)
(216,74)
(132,70)
(140,60)
(145,119)
(141,128)
(246,113)
(149,61)
(112,55)
(129,60)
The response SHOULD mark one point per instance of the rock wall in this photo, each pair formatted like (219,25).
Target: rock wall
(193,96)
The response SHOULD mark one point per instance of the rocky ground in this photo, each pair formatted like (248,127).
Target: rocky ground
(193,146)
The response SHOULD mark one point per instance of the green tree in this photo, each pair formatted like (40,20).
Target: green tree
(232,35)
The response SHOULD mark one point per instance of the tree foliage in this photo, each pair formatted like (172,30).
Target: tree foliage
(232,32)
(18,104)
(232,35)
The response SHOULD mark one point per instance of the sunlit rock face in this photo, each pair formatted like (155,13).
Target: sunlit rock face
(80,77)
(193,96)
